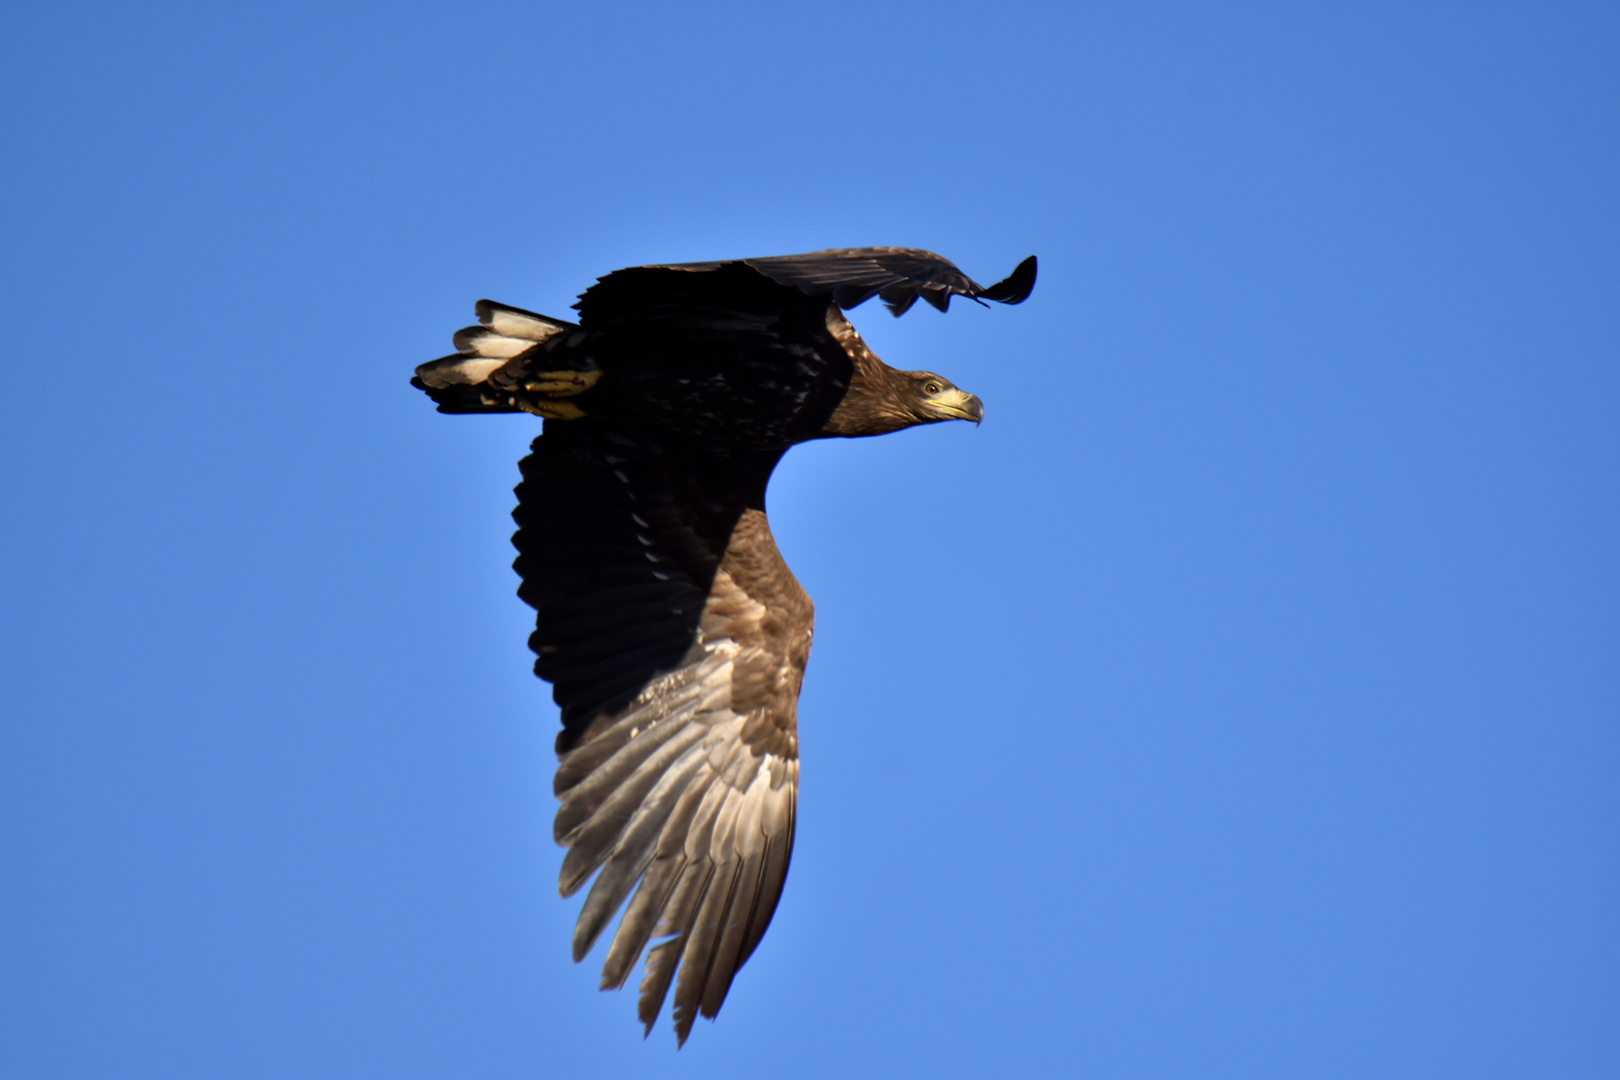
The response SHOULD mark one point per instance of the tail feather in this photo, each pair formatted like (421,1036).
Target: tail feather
(457,369)
(515,322)
(458,383)
(482,341)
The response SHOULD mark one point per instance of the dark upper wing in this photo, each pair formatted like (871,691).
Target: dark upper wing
(851,276)
(676,639)
(723,358)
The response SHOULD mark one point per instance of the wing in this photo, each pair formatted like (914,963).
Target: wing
(726,358)
(676,640)
(851,276)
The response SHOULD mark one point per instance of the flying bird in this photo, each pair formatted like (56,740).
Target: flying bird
(673,634)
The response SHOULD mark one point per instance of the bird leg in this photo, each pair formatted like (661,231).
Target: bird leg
(551,386)
(551,410)
(562,384)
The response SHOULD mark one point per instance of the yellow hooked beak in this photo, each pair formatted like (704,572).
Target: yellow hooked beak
(957,405)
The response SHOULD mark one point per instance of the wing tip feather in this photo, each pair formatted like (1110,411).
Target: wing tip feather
(1016,286)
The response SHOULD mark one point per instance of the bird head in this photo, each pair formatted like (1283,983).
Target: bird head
(932,398)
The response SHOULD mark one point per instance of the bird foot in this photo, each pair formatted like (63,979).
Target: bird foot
(551,410)
(543,393)
(562,384)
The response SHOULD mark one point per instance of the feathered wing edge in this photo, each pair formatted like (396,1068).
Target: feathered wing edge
(699,825)
(685,793)
(899,276)
(676,799)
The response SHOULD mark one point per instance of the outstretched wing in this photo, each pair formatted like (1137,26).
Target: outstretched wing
(851,276)
(676,640)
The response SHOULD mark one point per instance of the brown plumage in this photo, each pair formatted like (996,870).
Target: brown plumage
(674,636)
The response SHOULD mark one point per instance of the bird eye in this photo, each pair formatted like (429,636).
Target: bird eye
(932,388)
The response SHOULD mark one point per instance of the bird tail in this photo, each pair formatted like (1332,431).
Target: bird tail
(460,382)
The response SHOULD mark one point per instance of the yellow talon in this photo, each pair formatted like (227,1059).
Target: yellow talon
(563,383)
(552,410)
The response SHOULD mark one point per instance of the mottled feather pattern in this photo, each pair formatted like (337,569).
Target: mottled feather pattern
(674,636)
(676,639)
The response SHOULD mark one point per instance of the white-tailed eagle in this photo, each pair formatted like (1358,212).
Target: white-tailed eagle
(674,636)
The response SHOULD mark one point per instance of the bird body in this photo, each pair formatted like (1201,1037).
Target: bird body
(673,634)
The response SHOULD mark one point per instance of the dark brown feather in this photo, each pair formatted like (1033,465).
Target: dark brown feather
(683,770)
(852,276)
(673,634)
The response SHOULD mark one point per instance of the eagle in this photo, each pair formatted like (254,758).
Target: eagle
(673,634)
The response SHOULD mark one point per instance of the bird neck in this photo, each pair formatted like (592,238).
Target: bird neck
(874,402)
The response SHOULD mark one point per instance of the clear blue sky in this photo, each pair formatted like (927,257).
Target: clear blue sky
(1240,700)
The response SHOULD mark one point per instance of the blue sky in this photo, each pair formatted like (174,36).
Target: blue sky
(1238,701)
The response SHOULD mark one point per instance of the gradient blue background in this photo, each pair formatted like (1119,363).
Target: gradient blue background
(1239,701)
